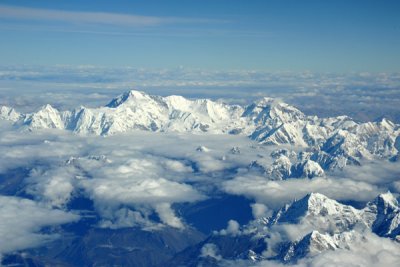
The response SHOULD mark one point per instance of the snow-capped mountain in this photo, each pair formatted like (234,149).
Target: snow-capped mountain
(314,243)
(383,215)
(291,145)
(334,142)
(380,215)
(7,113)
(328,225)
(282,168)
(320,212)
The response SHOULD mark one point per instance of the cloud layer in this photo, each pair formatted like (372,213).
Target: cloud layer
(363,96)
(139,179)
(21,220)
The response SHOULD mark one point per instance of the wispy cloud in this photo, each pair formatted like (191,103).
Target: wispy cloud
(117,19)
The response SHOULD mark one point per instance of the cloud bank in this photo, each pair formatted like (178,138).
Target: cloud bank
(363,96)
(21,220)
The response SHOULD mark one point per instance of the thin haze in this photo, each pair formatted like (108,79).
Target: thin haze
(336,36)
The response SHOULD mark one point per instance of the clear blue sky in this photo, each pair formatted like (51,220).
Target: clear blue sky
(336,36)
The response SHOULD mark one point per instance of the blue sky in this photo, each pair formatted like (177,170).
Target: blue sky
(323,36)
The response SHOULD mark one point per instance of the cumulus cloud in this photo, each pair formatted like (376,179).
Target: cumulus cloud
(136,182)
(134,179)
(371,251)
(21,221)
(210,250)
(379,172)
(260,210)
(111,171)
(176,166)
(167,215)
(274,194)
(125,217)
(134,171)
(233,228)
(52,186)
(42,148)
(131,175)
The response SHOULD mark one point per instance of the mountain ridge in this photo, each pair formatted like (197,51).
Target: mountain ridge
(336,141)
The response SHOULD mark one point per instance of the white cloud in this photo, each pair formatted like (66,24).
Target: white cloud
(367,250)
(127,176)
(130,177)
(54,186)
(167,215)
(210,250)
(274,194)
(140,172)
(313,93)
(23,149)
(136,183)
(125,217)
(176,166)
(379,172)
(26,13)
(21,221)
(233,228)
(260,210)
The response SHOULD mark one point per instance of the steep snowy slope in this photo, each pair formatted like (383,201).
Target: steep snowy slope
(319,211)
(46,117)
(7,113)
(314,243)
(335,142)
(328,226)
(383,215)
(284,167)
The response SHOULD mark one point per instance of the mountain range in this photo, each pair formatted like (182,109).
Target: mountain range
(327,224)
(303,147)
(331,142)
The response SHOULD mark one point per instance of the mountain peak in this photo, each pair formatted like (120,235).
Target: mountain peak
(387,124)
(45,117)
(387,200)
(126,97)
(266,101)
(316,197)
(383,214)
(339,140)
(272,112)
(314,202)
(136,94)
(317,205)
(9,113)
(311,203)
(48,108)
